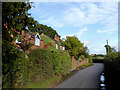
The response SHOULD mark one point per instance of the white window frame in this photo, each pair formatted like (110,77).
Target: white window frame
(63,48)
(37,40)
(56,46)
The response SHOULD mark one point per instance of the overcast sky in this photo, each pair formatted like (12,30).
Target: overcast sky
(92,22)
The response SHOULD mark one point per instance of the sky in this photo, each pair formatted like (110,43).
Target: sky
(91,22)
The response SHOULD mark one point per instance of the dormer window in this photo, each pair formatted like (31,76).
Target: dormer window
(37,40)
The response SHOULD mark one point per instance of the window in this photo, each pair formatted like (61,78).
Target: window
(56,46)
(63,48)
(37,41)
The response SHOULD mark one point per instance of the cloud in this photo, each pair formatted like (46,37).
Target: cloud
(91,13)
(52,21)
(78,14)
(77,34)
(110,22)
(97,50)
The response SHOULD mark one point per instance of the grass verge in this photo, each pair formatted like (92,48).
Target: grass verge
(84,66)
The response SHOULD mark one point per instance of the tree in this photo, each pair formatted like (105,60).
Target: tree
(109,49)
(40,28)
(14,18)
(74,46)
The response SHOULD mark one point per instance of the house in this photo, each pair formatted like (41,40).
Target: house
(29,38)
(62,47)
(56,39)
(34,39)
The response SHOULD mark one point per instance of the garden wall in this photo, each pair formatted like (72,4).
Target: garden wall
(77,63)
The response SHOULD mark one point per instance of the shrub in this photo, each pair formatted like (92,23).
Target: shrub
(15,67)
(49,63)
(82,57)
(40,65)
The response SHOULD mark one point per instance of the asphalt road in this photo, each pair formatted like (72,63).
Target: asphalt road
(86,78)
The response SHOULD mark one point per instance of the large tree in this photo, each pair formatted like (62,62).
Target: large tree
(44,29)
(74,46)
(14,18)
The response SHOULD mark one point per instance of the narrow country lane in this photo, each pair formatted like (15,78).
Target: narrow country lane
(86,78)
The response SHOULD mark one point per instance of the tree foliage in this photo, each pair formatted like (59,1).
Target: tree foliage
(112,67)
(40,28)
(75,47)
(14,18)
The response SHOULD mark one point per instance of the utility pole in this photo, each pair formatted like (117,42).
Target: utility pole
(107,42)
(107,47)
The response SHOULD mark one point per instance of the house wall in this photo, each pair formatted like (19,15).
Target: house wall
(41,44)
(32,41)
(76,63)
(61,47)
(33,47)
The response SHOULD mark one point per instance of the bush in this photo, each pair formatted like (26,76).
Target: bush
(40,66)
(112,70)
(15,66)
(52,62)
(82,57)
(47,63)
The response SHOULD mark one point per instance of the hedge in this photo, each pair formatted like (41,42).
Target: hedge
(40,65)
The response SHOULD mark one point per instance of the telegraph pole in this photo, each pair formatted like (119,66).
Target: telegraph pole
(107,47)
(107,42)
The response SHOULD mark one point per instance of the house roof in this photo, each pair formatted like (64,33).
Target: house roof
(50,38)
(33,34)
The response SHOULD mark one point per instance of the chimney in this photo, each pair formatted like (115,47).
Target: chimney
(56,37)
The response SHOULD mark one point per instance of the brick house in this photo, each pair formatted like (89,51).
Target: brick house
(29,38)
(35,40)
(56,41)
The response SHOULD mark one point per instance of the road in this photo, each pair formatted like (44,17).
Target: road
(86,78)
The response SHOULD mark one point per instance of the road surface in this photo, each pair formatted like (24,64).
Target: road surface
(86,78)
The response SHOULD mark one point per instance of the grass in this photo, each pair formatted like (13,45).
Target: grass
(44,84)
(84,66)
(53,81)
(49,83)
(100,58)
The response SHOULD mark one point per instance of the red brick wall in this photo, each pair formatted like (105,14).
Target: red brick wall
(33,47)
(41,44)
(76,63)
(32,41)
